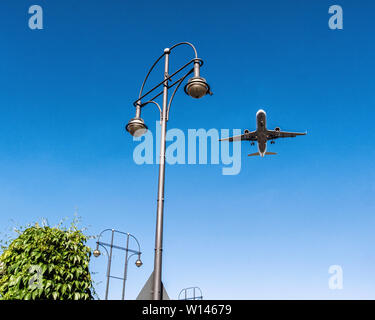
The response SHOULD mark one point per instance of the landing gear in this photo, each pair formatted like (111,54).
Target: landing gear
(272,142)
(252,143)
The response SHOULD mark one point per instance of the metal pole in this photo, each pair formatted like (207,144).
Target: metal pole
(109,266)
(157,286)
(126,267)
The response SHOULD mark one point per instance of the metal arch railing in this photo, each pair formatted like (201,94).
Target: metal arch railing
(112,246)
(194,290)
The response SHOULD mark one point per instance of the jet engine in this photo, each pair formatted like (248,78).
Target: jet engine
(246,131)
(277,129)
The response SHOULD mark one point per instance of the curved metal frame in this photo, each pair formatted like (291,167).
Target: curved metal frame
(194,296)
(125,233)
(127,258)
(138,102)
(154,102)
(185,42)
(175,90)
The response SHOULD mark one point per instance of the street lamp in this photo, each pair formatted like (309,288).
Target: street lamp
(96,253)
(138,263)
(136,126)
(138,252)
(196,87)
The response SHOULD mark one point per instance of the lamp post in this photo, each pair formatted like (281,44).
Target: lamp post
(196,87)
(97,253)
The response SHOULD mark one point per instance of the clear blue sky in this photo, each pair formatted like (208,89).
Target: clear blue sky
(270,232)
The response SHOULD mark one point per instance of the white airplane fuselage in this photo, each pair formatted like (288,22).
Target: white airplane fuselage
(261,135)
(261,132)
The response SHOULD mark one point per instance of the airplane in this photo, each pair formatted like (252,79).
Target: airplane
(262,135)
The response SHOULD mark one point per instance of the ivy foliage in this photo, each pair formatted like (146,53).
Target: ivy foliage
(46,263)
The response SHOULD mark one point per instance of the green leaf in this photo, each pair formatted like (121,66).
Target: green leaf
(41,292)
(58,287)
(50,268)
(64,287)
(49,283)
(35,294)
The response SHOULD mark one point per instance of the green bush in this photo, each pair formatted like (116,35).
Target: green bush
(46,263)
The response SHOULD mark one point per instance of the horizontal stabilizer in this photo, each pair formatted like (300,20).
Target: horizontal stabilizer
(258,154)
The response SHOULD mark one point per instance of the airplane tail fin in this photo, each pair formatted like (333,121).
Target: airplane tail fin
(258,154)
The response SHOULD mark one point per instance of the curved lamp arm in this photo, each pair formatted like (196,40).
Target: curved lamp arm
(148,73)
(155,103)
(187,43)
(133,254)
(175,90)
(100,234)
(158,59)
(99,244)
(136,240)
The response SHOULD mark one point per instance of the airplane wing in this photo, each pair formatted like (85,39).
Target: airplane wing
(274,134)
(247,136)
